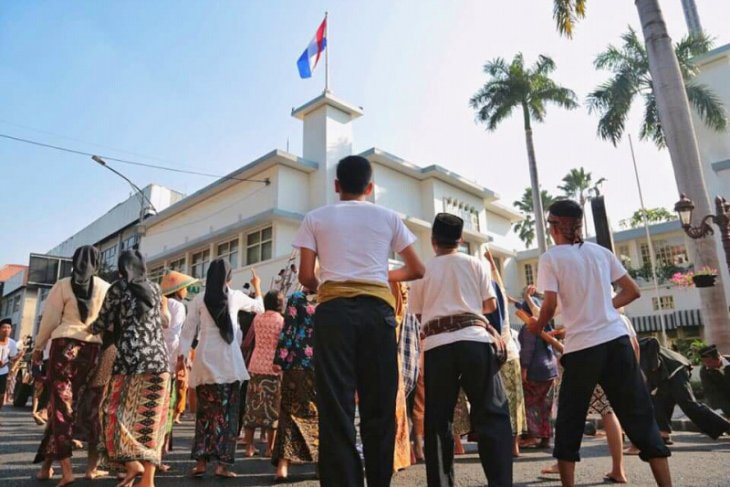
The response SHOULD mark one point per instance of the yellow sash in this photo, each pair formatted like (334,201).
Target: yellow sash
(351,289)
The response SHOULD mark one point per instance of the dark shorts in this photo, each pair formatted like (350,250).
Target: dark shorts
(3,384)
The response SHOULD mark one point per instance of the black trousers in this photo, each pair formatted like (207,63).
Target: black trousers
(355,351)
(614,366)
(473,366)
(677,390)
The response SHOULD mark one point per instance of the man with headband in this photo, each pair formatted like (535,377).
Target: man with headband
(579,275)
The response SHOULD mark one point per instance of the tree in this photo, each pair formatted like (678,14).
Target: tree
(578,185)
(631,79)
(653,215)
(673,111)
(526,228)
(514,86)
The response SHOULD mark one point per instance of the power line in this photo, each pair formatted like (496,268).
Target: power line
(130,162)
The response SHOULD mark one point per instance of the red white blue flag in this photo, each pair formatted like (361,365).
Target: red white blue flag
(310,57)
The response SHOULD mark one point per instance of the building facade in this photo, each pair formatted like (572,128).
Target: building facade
(251,216)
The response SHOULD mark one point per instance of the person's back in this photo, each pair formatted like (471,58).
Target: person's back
(584,273)
(354,329)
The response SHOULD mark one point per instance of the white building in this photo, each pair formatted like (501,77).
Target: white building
(253,223)
(679,305)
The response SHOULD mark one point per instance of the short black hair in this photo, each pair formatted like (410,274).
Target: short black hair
(567,208)
(354,174)
(274,301)
(6,322)
(444,243)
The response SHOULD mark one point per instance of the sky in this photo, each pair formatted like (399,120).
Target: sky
(210,86)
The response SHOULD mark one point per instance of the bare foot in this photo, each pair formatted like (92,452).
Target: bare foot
(632,450)
(65,481)
(45,474)
(133,472)
(223,472)
(615,478)
(77,445)
(551,470)
(38,419)
(95,474)
(164,468)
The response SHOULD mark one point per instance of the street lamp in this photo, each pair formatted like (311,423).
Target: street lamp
(143,199)
(684,207)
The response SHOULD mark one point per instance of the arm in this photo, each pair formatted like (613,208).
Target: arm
(190,329)
(547,312)
(165,313)
(489,305)
(629,291)
(412,269)
(534,308)
(52,313)
(106,318)
(307,260)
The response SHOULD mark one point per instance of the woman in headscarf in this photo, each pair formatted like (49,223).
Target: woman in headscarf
(218,368)
(71,305)
(134,411)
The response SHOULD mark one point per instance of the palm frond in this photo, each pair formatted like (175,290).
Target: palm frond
(612,100)
(708,105)
(651,127)
(566,14)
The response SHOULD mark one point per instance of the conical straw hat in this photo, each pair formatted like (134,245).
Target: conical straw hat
(173,281)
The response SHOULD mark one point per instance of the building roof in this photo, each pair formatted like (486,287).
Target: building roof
(711,56)
(264,162)
(620,236)
(9,270)
(326,98)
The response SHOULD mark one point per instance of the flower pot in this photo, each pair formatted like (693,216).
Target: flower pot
(704,280)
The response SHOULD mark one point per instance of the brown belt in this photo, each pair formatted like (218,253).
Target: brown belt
(451,323)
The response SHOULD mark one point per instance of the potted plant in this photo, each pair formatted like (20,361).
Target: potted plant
(705,277)
(682,279)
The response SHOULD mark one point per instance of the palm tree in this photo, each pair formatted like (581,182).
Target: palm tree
(578,185)
(526,228)
(674,113)
(631,79)
(512,86)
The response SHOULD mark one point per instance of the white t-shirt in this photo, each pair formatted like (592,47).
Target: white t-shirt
(353,239)
(172,333)
(581,275)
(453,284)
(8,351)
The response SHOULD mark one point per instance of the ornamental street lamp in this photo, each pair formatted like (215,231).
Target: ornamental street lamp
(684,207)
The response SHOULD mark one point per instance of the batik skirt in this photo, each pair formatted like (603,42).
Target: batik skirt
(71,364)
(599,403)
(87,426)
(539,396)
(512,382)
(134,414)
(262,402)
(297,438)
(462,423)
(216,422)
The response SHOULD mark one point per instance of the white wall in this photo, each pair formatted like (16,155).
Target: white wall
(399,192)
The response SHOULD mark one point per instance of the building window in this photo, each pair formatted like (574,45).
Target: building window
(259,246)
(469,214)
(229,251)
(667,302)
(666,254)
(155,274)
(624,256)
(200,263)
(529,275)
(465,248)
(177,265)
(109,258)
(16,304)
(130,242)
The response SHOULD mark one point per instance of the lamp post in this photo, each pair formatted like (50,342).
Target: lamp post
(143,200)
(684,207)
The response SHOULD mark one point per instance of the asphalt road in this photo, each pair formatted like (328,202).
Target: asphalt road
(697,461)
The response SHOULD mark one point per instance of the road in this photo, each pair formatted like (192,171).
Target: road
(696,461)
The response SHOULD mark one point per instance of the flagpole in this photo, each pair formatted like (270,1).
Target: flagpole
(327,55)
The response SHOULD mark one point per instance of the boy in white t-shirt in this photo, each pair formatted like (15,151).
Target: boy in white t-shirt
(579,275)
(8,353)
(459,347)
(355,349)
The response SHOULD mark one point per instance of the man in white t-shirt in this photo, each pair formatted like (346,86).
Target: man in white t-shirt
(8,353)
(355,349)
(578,276)
(459,347)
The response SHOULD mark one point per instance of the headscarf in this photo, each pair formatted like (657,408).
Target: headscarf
(216,297)
(85,262)
(134,272)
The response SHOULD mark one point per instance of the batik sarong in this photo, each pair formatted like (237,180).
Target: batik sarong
(134,412)
(87,426)
(70,366)
(297,438)
(262,402)
(462,423)
(216,422)
(512,382)
(539,404)
(599,403)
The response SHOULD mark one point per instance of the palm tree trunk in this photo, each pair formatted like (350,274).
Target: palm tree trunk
(534,182)
(675,116)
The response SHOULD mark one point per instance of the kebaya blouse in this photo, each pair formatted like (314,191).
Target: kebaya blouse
(267,327)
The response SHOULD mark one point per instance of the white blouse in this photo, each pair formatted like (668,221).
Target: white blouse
(172,333)
(216,362)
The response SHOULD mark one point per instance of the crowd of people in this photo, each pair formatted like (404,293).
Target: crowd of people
(423,363)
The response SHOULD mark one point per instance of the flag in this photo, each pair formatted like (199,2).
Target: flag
(309,58)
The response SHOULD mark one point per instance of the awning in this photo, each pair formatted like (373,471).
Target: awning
(688,318)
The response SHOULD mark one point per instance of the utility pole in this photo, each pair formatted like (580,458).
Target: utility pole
(691,16)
